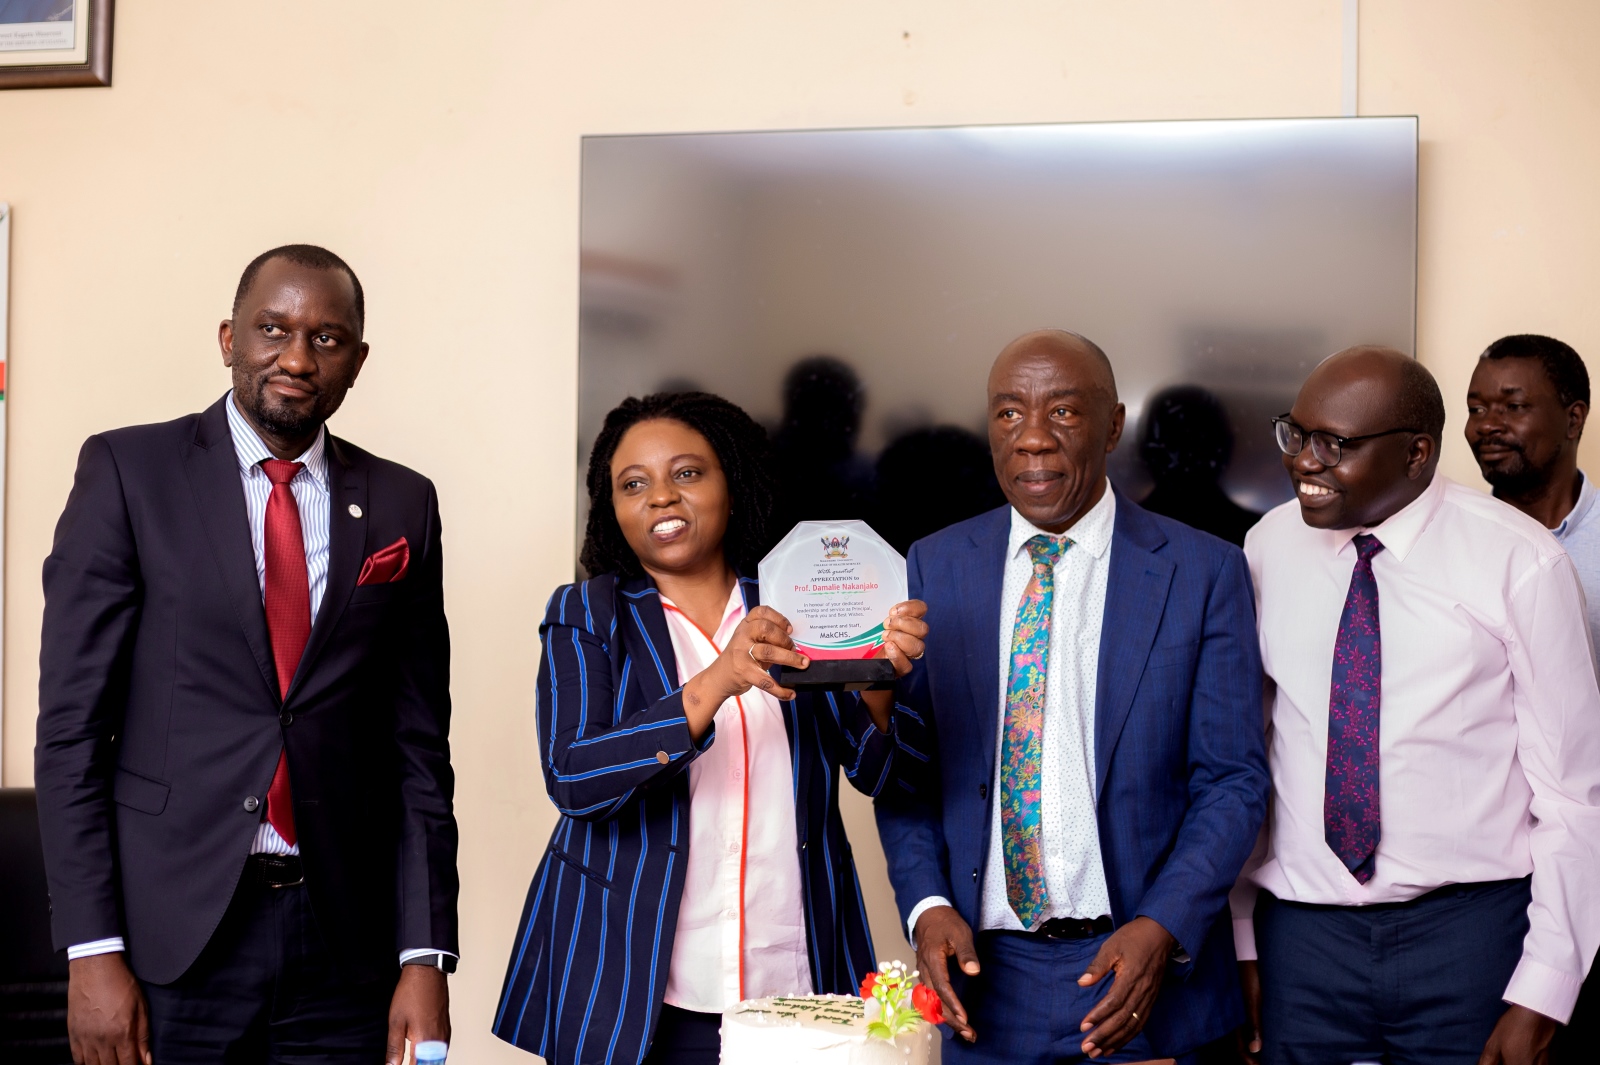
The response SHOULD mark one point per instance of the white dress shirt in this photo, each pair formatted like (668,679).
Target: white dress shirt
(313,499)
(741,923)
(1075,876)
(1489,745)
(1579,533)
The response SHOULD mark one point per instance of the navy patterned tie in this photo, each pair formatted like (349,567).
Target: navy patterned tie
(1350,818)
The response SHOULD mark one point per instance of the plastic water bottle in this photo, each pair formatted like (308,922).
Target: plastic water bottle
(431,1052)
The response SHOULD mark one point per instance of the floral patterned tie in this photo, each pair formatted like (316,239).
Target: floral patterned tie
(1350,817)
(1022,750)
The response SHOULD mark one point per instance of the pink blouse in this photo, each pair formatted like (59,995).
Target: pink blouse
(741,925)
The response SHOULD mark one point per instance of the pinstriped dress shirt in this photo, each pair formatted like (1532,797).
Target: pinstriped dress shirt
(311,496)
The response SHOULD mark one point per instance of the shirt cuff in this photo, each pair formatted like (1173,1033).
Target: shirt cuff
(917,911)
(1543,990)
(112,945)
(417,952)
(1244,938)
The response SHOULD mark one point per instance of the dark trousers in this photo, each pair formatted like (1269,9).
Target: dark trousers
(684,1037)
(1026,1004)
(265,990)
(1414,983)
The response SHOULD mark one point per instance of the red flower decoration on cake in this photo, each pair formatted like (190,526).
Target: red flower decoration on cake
(868,982)
(926,1000)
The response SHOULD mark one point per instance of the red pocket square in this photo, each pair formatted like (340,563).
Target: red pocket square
(386,566)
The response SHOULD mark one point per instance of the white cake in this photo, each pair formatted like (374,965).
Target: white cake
(817,1030)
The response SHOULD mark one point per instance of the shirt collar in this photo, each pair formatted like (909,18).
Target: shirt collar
(733,609)
(1580,511)
(251,451)
(1092,532)
(1400,531)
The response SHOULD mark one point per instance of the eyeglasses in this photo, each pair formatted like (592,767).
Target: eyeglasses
(1326,448)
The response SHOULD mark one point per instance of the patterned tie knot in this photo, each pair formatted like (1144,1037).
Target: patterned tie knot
(1045,550)
(281,471)
(1367,545)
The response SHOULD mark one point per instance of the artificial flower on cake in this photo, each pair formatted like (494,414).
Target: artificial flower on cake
(896,1003)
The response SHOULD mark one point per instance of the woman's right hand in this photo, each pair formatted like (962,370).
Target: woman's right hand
(760,642)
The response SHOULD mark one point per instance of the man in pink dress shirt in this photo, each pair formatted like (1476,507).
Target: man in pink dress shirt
(1428,885)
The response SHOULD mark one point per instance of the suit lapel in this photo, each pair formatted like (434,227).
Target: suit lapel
(645,636)
(347,538)
(212,467)
(980,583)
(1136,594)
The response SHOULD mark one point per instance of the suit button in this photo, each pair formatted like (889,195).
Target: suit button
(251,804)
(974,876)
(663,757)
(802,844)
(285,718)
(983,791)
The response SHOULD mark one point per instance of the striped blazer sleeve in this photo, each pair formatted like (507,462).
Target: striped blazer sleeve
(595,758)
(870,759)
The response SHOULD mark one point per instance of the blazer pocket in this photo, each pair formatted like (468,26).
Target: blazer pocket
(599,878)
(147,795)
(373,593)
(1169,656)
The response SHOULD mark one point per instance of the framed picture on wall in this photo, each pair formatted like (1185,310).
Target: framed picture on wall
(55,43)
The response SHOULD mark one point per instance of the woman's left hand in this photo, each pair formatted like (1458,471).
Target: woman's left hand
(903,634)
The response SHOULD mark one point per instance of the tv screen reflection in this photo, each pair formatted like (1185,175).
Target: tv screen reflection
(851,288)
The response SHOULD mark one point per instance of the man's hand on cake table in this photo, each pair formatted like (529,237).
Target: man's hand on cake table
(760,642)
(941,934)
(1137,954)
(903,634)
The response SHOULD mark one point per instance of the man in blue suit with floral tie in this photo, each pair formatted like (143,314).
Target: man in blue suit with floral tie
(1092,697)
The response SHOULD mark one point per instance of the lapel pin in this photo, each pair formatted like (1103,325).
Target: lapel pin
(355,511)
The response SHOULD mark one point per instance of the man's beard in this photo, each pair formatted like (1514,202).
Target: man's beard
(1515,476)
(284,421)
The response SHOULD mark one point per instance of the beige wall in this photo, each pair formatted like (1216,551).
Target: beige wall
(441,158)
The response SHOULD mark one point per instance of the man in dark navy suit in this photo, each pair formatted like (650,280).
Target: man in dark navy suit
(1092,694)
(243,763)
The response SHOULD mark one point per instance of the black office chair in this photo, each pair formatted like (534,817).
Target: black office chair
(33,976)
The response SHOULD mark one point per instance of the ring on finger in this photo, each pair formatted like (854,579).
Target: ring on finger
(751,651)
(1134,1015)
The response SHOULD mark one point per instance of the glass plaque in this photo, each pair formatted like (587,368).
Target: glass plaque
(835,581)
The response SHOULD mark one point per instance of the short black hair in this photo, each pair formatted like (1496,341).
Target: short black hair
(302,255)
(1562,365)
(742,449)
(1419,404)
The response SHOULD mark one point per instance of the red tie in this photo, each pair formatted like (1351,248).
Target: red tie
(288,602)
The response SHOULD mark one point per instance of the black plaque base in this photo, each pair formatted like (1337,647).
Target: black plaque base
(840,674)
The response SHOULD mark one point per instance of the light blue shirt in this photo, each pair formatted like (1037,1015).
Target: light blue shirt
(1579,533)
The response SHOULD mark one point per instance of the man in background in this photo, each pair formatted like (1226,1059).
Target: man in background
(1526,408)
(243,764)
(1428,889)
(1097,773)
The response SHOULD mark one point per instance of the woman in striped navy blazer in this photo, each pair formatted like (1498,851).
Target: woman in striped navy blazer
(699,858)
